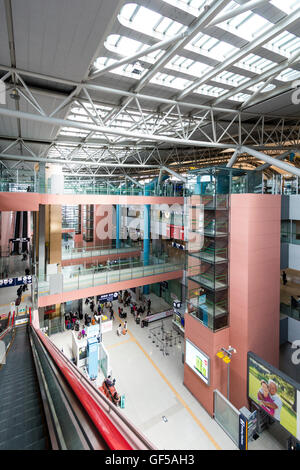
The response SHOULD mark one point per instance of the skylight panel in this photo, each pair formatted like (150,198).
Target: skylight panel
(149,22)
(288,75)
(188,66)
(247,25)
(209,90)
(230,78)
(127,46)
(194,7)
(239,97)
(134,70)
(255,63)
(256,87)
(210,47)
(287,6)
(123,45)
(284,44)
(170,81)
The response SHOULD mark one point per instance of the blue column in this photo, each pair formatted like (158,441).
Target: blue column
(147,209)
(118,226)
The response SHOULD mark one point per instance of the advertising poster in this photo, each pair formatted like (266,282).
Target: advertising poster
(274,393)
(197,361)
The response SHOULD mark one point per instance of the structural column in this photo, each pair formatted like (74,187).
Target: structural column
(147,209)
(118,226)
(41,241)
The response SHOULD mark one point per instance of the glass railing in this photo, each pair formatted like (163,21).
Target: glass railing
(291,311)
(290,238)
(74,187)
(78,253)
(117,272)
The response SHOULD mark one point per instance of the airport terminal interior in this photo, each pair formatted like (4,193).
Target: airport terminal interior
(150,225)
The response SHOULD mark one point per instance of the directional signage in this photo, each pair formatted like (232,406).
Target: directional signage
(107,297)
(15,281)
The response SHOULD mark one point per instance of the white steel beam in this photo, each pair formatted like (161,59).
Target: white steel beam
(282,156)
(134,181)
(272,161)
(172,172)
(237,11)
(233,158)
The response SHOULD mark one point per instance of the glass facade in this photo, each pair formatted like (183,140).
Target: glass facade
(208,256)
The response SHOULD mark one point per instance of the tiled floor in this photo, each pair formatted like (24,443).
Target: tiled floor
(155,398)
(9,294)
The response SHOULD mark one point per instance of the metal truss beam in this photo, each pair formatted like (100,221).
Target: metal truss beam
(109,130)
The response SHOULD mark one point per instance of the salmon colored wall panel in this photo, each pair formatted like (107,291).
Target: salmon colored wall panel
(210,343)
(46,300)
(30,201)
(254,276)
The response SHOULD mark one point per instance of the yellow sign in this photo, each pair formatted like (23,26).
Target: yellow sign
(104,317)
(220,354)
(227,359)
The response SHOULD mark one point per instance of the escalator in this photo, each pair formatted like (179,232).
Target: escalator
(48,403)
(17,233)
(25,231)
(22,421)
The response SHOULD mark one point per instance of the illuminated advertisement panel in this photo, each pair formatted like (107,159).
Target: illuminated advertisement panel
(275,393)
(197,361)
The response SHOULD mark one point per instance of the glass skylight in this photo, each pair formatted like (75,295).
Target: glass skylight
(135,70)
(239,97)
(288,75)
(247,25)
(230,78)
(209,90)
(194,7)
(188,66)
(285,44)
(255,63)
(269,87)
(210,47)
(170,81)
(126,46)
(286,5)
(149,22)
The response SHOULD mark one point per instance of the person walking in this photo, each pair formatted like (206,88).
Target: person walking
(284,278)
(125,328)
(112,315)
(119,330)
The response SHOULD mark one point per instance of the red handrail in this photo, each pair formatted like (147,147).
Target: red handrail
(112,436)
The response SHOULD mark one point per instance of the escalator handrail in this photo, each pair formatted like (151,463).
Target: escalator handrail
(4,333)
(109,432)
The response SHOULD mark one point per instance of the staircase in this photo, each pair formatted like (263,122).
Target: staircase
(22,423)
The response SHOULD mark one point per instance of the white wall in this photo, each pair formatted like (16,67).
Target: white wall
(294,207)
(294,257)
